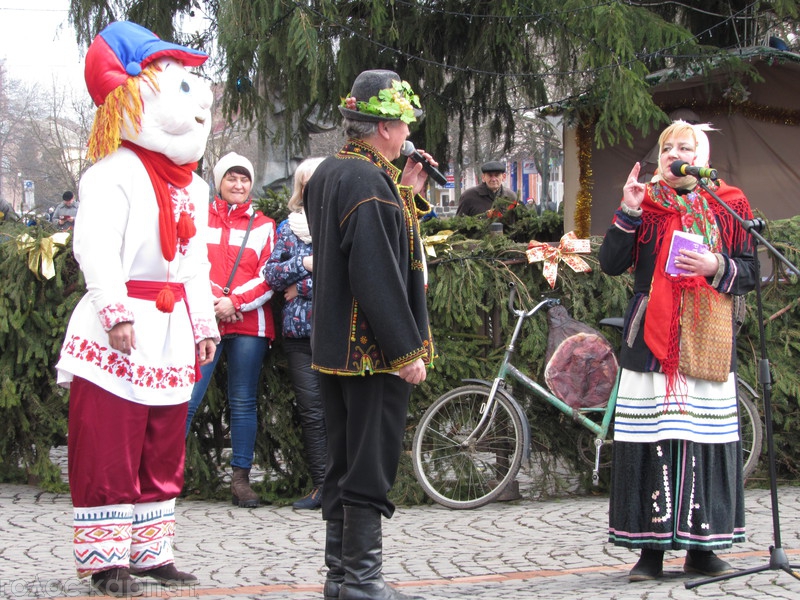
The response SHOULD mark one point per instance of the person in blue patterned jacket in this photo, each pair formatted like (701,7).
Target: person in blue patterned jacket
(288,270)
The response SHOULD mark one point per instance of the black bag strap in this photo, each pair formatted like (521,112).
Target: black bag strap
(227,289)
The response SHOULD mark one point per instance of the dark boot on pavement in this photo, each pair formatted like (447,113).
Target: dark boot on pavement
(311,501)
(362,557)
(169,575)
(116,582)
(649,567)
(242,495)
(705,562)
(333,558)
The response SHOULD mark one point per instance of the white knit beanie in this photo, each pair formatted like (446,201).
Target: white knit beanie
(226,162)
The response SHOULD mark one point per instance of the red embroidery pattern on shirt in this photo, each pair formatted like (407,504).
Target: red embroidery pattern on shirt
(121,366)
(181,202)
(113,314)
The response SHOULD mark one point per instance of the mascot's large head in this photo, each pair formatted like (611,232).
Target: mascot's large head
(146,95)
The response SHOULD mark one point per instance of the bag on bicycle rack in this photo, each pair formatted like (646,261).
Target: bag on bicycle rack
(581,366)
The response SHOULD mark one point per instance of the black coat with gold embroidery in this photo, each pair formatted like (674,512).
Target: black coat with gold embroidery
(369,311)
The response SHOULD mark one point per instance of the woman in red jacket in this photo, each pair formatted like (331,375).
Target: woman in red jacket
(238,232)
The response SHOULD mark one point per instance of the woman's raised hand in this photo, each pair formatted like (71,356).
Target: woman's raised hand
(633,192)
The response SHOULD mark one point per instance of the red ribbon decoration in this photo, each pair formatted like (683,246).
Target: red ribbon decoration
(567,250)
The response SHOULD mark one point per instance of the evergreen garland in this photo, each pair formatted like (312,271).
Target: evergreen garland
(468,295)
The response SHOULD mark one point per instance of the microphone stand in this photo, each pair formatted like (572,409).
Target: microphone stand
(777,555)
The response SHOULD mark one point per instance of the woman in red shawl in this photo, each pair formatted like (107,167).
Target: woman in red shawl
(677,471)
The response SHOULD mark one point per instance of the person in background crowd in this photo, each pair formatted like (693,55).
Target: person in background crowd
(64,214)
(485,197)
(370,335)
(7,211)
(288,270)
(676,480)
(540,207)
(238,232)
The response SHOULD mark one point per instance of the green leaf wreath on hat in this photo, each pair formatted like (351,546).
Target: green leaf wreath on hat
(397,102)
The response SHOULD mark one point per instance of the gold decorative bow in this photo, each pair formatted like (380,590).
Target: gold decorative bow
(43,250)
(566,250)
(430,241)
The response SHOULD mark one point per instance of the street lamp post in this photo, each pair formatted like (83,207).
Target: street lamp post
(27,189)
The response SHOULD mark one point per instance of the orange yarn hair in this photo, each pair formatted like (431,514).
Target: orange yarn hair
(110,118)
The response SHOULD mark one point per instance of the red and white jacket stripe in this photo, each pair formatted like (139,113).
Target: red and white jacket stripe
(249,291)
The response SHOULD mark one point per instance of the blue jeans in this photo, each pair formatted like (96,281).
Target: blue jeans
(245,355)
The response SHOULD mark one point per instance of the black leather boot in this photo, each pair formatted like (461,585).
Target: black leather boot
(362,557)
(705,562)
(649,567)
(333,558)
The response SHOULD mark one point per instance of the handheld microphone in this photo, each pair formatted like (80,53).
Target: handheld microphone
(411,152)
(680,168)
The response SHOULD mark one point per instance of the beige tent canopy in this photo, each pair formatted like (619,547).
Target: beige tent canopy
(756,147)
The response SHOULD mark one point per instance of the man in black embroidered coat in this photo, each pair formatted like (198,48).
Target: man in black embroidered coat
(370,335)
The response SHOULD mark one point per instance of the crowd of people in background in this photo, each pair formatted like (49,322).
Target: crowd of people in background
(61,216)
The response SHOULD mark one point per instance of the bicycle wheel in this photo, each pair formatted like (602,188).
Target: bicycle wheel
(751,431)
(461,473)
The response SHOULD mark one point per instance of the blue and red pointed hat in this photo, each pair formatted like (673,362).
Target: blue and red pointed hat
(122,50)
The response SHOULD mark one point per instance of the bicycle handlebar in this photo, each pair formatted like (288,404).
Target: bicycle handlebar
(547,302)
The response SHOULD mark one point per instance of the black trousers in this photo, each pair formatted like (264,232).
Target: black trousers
(365,418)
(310,408)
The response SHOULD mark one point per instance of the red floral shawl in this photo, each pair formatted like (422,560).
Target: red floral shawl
(661,331)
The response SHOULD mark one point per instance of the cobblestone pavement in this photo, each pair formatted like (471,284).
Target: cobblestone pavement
(509,551)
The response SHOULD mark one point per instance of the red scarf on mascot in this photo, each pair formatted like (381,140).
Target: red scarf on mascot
(163,172)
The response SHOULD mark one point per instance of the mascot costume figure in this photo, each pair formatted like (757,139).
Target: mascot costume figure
(136,340)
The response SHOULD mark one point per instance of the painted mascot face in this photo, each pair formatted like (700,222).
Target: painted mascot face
(176,119)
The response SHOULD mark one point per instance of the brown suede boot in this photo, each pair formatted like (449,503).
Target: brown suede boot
(242,495)
(169,575)
(116,582)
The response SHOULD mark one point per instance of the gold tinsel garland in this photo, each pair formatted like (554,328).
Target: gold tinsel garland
(583,204)
(749,110)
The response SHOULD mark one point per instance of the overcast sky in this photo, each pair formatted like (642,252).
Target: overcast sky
(38,44)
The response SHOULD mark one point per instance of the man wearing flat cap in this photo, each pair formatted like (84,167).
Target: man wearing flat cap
(370,335)
(479,200)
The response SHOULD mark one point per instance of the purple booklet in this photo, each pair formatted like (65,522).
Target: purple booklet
(683,241)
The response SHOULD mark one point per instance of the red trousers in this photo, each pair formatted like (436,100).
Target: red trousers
(121,452)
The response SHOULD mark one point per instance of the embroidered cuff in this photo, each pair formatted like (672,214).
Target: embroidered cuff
(422,205)
(626,222)
(114,314)
(409,358)
(721,264)
(204,329)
